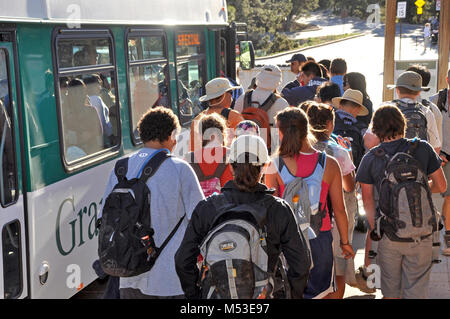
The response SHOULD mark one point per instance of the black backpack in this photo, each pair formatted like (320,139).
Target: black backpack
(355,137)
(406,212)
(416,125)
(126,246)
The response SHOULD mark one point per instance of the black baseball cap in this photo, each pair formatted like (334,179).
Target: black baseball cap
(297,57)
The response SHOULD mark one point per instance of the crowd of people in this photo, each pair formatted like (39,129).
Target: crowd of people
(264,203)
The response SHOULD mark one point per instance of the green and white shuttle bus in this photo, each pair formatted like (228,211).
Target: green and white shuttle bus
(75,76)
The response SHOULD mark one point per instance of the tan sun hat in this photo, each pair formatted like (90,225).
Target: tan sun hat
(410,80)
(217,87)
(354,96)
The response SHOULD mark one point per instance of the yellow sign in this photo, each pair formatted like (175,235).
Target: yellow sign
(419,4)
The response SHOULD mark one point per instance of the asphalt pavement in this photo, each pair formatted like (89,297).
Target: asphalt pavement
(363,54)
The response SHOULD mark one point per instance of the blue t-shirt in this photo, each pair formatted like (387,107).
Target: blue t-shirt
(371,170)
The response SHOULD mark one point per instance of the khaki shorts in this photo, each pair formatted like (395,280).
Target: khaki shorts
(446,170)
(345,267)
(405,268)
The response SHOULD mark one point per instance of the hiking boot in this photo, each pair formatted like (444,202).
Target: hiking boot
(361,281)
(446,250)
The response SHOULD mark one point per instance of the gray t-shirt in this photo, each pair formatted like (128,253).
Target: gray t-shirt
(175,191)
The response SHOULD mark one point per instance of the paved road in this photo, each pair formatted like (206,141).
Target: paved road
(439,287)
(363,54)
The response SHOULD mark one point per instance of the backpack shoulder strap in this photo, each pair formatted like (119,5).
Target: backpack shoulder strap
(248,99)
(426,103)
(225,113)
(195,166)
(269,102)
(257,209)
(221,167)
(121,169)
(412,147)
(153,164)
(172,233)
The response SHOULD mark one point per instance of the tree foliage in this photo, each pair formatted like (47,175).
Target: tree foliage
(358,8)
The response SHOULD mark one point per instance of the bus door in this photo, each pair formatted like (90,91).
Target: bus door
(13,265)
(233,47)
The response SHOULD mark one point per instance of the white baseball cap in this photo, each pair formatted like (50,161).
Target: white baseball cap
(251,144)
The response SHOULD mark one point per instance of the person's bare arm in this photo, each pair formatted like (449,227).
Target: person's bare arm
(438,184)
(369,203)
(271,177)
(337,200)
(348,182)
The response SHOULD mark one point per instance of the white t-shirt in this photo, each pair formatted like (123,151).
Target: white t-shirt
(437,116)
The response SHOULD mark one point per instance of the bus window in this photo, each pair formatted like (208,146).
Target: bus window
(191,72)
(87,96)
(148,75)
(8,176)
(83,52)
(12,265)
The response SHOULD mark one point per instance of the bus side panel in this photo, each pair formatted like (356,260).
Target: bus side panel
(63,233)
(40,112)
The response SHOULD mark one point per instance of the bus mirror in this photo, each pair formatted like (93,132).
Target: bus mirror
(247,55)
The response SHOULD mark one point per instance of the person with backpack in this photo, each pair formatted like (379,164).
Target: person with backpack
(426,77)
(441,99)
(306,177)
(348,107)
(263,103)
(219,99)
(357,81)
(393,176)
(420,119)
(148,202)
(241,234)
(321,119)
(209,162)
(311,75)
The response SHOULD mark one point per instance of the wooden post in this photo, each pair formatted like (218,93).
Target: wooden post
(444,43)
(389,49)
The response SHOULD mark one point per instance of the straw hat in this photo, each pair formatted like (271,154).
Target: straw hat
(216,88)
(354,96)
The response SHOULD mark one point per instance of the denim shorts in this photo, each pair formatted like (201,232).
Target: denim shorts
(321,279)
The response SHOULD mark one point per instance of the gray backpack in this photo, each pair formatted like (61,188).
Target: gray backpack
(406,210)
(416,125)
(235,259)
